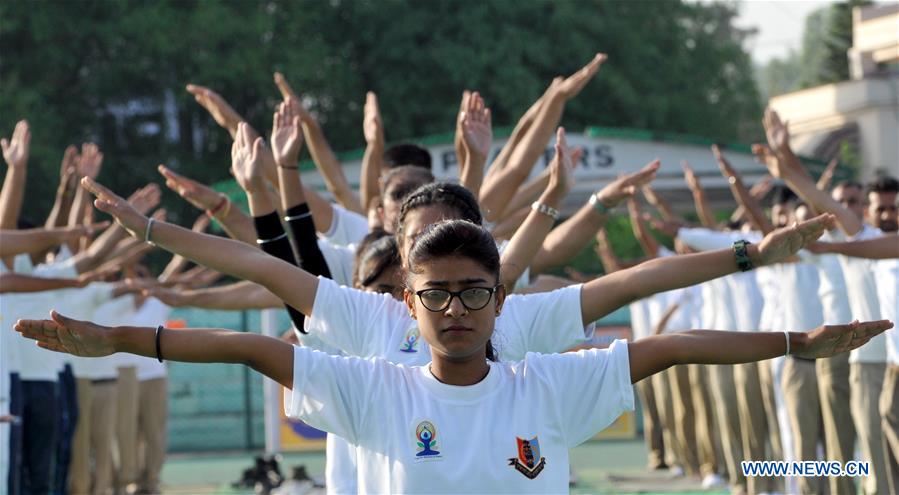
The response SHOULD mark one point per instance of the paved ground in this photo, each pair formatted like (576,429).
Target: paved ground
(602,467)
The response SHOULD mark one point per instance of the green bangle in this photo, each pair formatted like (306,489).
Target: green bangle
(742,256)
(598,206)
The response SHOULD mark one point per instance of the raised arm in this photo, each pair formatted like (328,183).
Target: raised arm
(706,218)
(529,237)
(521,127)
(237,224)
(13,242)
(292,284)
(218,108)
(826,178)
(502,187)
(758,191)
(883,247)
(237,296)
(605,294)
(787,167)
(177,264)
(65,192)
(575,233)
(15,153)
(741,193)
(373,130)
(649,243)
(269,356)
(477,136)
(656,353)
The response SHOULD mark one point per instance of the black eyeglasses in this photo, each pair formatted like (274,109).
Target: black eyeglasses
(473,298)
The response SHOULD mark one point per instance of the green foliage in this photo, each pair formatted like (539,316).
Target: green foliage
(114,71)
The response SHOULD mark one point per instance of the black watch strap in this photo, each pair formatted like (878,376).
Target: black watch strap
(741,255)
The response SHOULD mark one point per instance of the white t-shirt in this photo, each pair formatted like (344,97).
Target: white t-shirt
(152,313)
(639,319)
(341,261)
(887,277)
(93,303)
(802,308)
(508,433)
(862,290)
(347,227)
(367,325)
(686,316)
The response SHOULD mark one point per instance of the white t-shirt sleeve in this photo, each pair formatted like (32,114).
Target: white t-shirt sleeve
(545,322)
(334,393)
(341,261)
(347,227)
(703,239)
(592,388)
(357,323)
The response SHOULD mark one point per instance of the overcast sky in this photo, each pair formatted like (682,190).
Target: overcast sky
(779,23)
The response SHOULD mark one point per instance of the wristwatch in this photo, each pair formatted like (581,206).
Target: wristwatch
(598,205)
(742,255)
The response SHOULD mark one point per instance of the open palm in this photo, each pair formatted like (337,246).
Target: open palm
(246,159)
(287,136)
(62,334)
(779,245)
(829,340)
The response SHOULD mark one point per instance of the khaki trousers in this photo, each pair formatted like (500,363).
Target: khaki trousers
(866,384)
(753,421)
(727,416)
(889,412)
(839,431)
(93,438)
(684,418)
(706,431)
(665,406)
(800,387)
(126,428)
(652,426)
(152,433)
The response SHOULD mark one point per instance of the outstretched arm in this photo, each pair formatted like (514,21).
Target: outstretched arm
(785,165)
(527,239)
(741,194)
(605,294)
(884,247)
(653,354)
(237,296)
(269,356)
(13,242)
(573,234)
(292,284)
(65,192)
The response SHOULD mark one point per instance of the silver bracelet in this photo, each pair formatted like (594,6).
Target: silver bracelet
(150,223)
(298,217)
(546,210)
(273,239)
(787,335)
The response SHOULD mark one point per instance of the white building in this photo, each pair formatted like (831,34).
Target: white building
(862,112)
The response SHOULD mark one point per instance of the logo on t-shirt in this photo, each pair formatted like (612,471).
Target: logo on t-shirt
(410,343)
(528,462)
(426,440)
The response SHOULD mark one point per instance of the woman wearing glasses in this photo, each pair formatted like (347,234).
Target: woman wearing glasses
(461,423)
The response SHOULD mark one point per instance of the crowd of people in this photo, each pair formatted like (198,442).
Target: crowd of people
(429,338)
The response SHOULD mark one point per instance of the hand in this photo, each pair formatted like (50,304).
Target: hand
(780,244)
(690,177)
(125,214)
(246,161)
(69,162)
(287,137)
(287,91)
(62,334)
(726,169)
(372,126)
(562,166)
(624,187)
(667,227)
(776,166)
(170,297)
(90,161)
(573,84)
(197,194)
(220,110)
(477,131)
(776,132)
(830,340)
(145,199)
(15,152)
(761,188)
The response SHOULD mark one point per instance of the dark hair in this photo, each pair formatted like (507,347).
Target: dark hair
(884,184)
(407,154)
(446,194)
(456,238)
(783,194)
(849,183)
(401,181)
(374,257)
